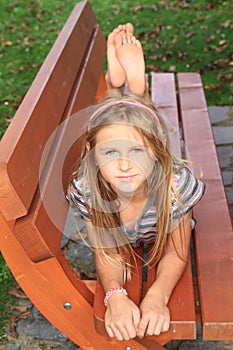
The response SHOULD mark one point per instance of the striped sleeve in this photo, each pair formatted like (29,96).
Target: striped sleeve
(76,196)
(190,190)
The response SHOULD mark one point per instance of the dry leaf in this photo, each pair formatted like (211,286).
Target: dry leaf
(15,319)
(22,308)
(211,87)
(172,69)
(17,292)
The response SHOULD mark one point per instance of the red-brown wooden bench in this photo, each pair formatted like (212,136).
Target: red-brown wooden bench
(70,79)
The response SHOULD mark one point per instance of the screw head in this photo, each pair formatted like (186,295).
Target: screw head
(128,348)
(67,306)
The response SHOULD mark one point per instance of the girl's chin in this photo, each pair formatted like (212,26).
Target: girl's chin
(126,188)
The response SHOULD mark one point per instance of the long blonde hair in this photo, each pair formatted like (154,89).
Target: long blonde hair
(141,116)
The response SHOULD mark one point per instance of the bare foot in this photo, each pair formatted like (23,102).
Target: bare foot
(130,55)
(115,74)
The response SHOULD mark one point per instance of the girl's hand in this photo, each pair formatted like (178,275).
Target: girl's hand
(155,316)
(122,317)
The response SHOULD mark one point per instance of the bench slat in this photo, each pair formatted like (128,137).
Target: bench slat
(24,142)
(213,233)
(49,287)
(163,94)
(181,304)
(40,231)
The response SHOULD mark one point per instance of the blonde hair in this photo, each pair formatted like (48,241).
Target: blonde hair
(144,117)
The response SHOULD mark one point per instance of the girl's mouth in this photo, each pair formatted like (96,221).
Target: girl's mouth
(127,178)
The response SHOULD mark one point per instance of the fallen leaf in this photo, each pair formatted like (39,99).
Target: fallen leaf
(209,5)
(211,87)
(17,292)
(226,24)
(7,43)
(22,308)
(188,35)
(172,68)
(222,42)
(152,67)
(210,38)
(12,328)
(221,62)
(137,8)
(15,319)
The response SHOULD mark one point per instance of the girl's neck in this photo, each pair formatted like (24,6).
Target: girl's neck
(138,197)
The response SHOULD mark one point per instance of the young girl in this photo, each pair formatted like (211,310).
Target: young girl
(131,189)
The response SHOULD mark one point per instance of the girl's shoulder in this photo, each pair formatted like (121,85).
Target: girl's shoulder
(182,174)
(180,171)
(80,185)
(79,195)
(190,188)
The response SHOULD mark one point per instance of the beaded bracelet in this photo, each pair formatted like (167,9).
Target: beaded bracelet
(112,291)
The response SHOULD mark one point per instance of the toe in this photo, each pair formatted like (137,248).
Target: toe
(118,40)
(129,27)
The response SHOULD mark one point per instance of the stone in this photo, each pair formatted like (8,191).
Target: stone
(218,113)
(80,251)
(223,135)
(229,193)
(227,177)
(200,345)
(73,224)
(39,328)
(225,156)
(13,347)
(67,347)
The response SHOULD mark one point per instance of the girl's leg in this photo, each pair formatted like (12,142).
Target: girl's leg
(115,76)
(130,56)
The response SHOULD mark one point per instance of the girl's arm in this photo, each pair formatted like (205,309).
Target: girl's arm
(122,315)
(155,316)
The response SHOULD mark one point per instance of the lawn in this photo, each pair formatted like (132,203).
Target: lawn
(176,36)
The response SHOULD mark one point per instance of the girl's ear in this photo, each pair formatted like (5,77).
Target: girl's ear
(88,146)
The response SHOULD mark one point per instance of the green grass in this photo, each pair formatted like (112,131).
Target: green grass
(182,36)
(176,35)
(6,281)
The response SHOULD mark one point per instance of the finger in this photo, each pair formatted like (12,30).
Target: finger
(142,327)
(128,330)
(118,334)
(151,327)
(166,326)
(132,325)
(109,331)
(131,331)
(158,327)
(121,334)
(136,318)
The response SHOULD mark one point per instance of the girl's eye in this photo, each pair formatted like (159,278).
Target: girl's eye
(137,150)
(111,153)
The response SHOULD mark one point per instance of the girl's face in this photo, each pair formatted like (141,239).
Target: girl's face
(124,160)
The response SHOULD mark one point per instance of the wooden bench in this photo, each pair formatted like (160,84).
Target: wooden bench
(35,162)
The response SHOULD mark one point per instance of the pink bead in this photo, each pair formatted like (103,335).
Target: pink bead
(112,291)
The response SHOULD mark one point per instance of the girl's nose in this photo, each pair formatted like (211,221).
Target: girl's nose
(124,164)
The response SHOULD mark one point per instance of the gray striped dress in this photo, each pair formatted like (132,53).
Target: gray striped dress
(190,190)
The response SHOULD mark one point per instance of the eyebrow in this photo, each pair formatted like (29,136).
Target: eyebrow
(105,148)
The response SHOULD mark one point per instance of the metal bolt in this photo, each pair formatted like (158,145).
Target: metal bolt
(67,306)
(128,348)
